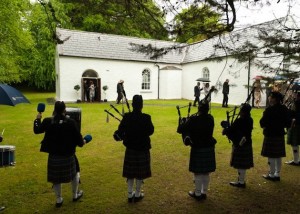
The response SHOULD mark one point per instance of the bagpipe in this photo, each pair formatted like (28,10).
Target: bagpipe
(118,136)
(182,121)
(290,96)
(233,115)
(116,110)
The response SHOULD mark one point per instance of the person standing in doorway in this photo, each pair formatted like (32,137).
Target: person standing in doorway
(120,91)
(92,91)
(197,91)
(86,91)
(225,92)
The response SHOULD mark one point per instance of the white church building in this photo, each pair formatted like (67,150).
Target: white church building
(106,59)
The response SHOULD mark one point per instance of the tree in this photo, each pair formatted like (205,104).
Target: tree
(15,40)
(91,15)
(195,20)
(122,17)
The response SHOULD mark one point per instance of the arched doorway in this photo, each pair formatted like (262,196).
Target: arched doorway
(87,77)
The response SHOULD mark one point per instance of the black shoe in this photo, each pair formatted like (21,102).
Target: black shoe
(238,184)
(131,199)
(58,205)
(79,195)
(270,178)
(276,178)
(197,197)
(137,199)
(292,163)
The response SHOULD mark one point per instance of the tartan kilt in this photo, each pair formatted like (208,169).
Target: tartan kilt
(61,169)
(202,160)
(273,147)
(136,164)
(242,157)
(293,136)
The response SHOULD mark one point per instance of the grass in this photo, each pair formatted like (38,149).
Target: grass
(24,188)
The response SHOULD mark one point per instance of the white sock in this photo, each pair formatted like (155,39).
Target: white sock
(138,187)
(130,186)
(278,163)
(296,153)
(271,162)
(205,183)
(57,191)
(198,184)
(242,175)
(75,184)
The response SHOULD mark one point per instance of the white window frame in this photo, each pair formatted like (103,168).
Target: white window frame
(146,80)
(205,73)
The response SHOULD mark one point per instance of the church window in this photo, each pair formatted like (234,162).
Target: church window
(146,79)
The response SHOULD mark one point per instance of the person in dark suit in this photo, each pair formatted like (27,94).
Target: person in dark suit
(274,121)
(120,91)
(61,138)
(135,130)
(242,153)
(225,92)
(202,156)
(197,91)
(86,91)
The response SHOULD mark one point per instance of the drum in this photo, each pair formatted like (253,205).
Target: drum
(7,155)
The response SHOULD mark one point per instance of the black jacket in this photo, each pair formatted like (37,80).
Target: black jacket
(60,138)
(274,120)
(242,127)
(225,88)
(136,127)
(200,129)
(197,91)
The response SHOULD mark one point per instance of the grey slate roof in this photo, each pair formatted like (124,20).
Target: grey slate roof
(236,39)
(109,46)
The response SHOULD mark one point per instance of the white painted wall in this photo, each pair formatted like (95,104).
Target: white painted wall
(170,84)
(110,72)
(237,74)
(174,84)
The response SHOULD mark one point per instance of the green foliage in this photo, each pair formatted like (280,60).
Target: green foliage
(76,87)
(131,18)
(196,24)
(105,87)
(15,40)
(43,21)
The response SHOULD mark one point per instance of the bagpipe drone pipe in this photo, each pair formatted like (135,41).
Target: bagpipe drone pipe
(182,121)
(118,136)
(290,95)
(232,116)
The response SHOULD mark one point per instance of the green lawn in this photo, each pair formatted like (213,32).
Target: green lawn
(24,188)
